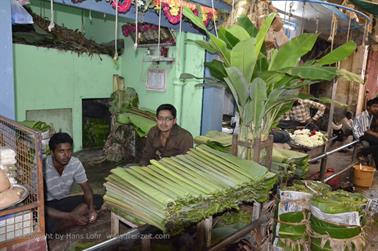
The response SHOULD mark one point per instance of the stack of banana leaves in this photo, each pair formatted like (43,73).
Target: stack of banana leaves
(142,120)
(293,214)
(337,220)
(217,140)
(175,192)
(288,163)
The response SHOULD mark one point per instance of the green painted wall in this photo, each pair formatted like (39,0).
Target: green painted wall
(52,79)
(60,79)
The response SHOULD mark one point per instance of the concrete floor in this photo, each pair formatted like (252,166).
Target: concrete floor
(78,238)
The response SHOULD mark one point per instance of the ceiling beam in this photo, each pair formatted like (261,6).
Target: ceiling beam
(150,16)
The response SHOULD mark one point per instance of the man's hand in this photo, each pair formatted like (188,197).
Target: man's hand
(79,219)
(92,216)
(309,121)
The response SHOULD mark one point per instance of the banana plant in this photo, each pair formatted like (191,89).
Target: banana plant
(264,85)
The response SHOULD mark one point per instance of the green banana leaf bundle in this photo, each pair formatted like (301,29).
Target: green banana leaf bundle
(123,100)
(339,225)
(217,140)
(175,192)
(293,213)
(142,123)
(297,161)
(37,125)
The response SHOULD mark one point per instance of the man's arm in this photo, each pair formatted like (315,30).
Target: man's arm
(88,199)
(68,216)
(148,151)
(186,143)
(318,106)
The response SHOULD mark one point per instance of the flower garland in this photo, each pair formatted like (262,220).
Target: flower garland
(170,8)
(122,7)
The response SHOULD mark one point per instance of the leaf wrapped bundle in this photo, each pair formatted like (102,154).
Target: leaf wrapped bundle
(293,213)
(217,140)
(141,123)
(175,192)
(336,221)
(297,162)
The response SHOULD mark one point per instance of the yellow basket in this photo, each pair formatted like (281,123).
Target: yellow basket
(363,176)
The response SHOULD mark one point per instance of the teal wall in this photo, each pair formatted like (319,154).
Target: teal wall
(52,79)
(60,79)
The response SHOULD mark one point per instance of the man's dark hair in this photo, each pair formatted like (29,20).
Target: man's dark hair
(371,102)
(166,107)
(348,114)
(59,138)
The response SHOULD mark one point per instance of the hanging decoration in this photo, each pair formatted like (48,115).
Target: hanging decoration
(148,34)
(170,8)
(123,6)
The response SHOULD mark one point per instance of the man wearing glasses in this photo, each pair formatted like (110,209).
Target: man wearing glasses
(166,139)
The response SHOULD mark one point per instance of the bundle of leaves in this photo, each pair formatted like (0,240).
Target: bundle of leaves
(337,220)
(293,214)
(288,163)
(217,140)
(174,192)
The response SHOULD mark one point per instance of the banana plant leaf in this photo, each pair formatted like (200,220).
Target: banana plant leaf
(142,124)
(339,202)
(333,230)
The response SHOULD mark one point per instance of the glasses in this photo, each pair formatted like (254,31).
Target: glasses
(166,119)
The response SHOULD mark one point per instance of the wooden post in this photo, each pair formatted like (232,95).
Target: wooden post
(204,234)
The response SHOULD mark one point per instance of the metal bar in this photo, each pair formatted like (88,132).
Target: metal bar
(239,234)
(334,5)
(333,151)
(340,172)
(149,16)
(7,94)
(130,235)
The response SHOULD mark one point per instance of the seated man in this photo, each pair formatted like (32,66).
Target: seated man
(300,115)
(364,129)
(166,139)
(61,170)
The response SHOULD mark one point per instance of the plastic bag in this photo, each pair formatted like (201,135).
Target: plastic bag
(19,14)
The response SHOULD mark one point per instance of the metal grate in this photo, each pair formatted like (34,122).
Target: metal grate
(26,219)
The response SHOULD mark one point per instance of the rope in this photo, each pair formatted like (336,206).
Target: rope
(52,24)
(317,26)
(233,10)
(215,24)
(136,24)
(179,44)
(159,28)
(90,16)
(364,38)
(348,33)
(303,18)
(115,57)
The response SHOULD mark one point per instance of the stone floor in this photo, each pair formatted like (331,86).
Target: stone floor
(78,238)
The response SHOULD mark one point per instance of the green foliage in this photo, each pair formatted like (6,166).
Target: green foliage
(265,85)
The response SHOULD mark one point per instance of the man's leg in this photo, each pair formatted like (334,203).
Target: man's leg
(70,204)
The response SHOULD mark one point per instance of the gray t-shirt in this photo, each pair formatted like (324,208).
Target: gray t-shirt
(59,186)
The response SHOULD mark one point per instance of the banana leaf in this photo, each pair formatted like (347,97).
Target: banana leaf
(339,202)
(333,230)
(141,123)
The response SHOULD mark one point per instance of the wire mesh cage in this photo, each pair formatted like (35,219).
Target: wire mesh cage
(24,220)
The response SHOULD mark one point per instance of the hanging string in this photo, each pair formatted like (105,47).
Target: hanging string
(115,57)
(317,26)
(179,44)
(284,20)
(303,17)
(364,38)
(90,16)
(159,28)
(233,10)
(52,24)
(136,25)
(348,32)
(82,21)
(215,24)
(333,29)
(290,10)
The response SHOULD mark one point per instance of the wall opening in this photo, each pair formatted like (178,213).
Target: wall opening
(96,122)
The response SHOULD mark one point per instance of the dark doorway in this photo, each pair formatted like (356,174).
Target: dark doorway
(96,122)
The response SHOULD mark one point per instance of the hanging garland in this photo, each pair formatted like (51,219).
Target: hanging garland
(171,9)
(123,7)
